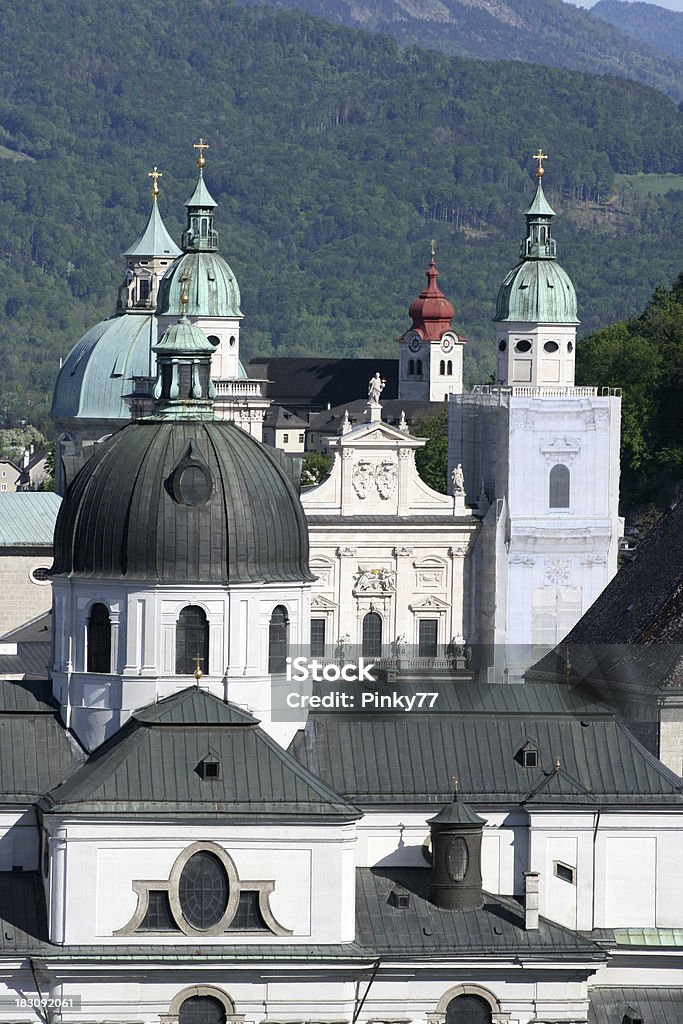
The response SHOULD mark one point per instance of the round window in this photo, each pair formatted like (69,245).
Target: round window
(457,859)
(41,574)
(523,346)
(203,891)
(570,347)
(192,484)
(232,341)
(214,340)
(502,345)
(551,346)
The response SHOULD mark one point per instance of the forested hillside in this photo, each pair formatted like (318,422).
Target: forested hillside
(334,158)
(648,23)
(644,356)
(547,32)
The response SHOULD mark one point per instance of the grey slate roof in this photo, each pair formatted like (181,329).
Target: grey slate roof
(282,419)
(155,239)
(36,752)
(27,519)
(150,767)
(304,384)
(329,420)
(33,644)
(23,917)
(422,929)
(121,516)
(474,733)
(653,1005)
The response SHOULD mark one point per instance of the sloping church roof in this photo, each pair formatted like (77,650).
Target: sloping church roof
(152,766)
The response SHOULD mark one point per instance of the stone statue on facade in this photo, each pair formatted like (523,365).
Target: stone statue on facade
(458,480)
(375,388)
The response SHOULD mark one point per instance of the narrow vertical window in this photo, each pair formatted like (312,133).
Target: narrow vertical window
(99,639)
(372,635)
(449,368)
(411,367)
(428,630)
(191,641)
(278,640)
(317,638)
(418,367)
(558,487)
(442,367)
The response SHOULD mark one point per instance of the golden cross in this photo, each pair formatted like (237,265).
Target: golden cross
(197,671)
(539,157)
(201,146)
(156,174)
(433,248)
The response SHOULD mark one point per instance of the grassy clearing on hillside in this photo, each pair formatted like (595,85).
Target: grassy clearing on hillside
(650,184)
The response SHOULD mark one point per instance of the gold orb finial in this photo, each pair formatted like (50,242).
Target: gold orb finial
(201,146)
(539,158)
(197,670)
(156,174)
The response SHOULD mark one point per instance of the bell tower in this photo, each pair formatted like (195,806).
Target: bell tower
(431,356)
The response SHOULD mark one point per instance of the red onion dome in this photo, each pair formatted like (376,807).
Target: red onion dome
(431,313)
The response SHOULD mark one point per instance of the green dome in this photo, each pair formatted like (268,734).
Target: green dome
(537,291)
(207,280)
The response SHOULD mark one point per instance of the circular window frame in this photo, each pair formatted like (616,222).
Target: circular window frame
(523,346)
(38,582)
(174,889)
(551,347)
(176,483)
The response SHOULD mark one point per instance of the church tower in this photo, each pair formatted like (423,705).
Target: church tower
(213,306)
(90,396)
(540,459)
(536,308)
(431,355)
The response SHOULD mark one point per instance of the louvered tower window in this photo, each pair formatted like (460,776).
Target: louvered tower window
(278,640)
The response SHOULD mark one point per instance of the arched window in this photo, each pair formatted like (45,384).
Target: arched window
(372,635)
(278,640)
(442,367)
(201,1010)
(418,367)
(449,368)
(559,487)
(99,639)
(191,641)
(411,367)
(468,1010)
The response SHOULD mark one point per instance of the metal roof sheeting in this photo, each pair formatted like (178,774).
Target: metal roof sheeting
(27,519)
(151,766)
(654,1005)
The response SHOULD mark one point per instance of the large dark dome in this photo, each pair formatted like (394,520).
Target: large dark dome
(183,502)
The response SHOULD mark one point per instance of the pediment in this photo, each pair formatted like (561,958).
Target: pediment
(431,603)
(319,603)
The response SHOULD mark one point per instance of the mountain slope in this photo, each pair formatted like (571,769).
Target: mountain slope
(655,26)
(548,32)
(334,158)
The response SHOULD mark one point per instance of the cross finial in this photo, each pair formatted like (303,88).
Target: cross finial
(432,246)
(197,670)
(156,174)
(201,146)
(456,785)
(539,158)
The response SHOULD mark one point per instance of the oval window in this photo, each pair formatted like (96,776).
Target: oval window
(502,345)
(41,574)
(523,346)
(203,890)
(551,346)
(194,485)
(570,347)
(457,859)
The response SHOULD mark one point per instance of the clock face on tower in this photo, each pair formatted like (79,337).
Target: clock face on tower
(447,343)
(414,344)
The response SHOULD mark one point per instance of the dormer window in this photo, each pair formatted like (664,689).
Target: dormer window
(209,768)
(530,758)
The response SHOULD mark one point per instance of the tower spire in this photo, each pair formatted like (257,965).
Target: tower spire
(199,235)
(156,174)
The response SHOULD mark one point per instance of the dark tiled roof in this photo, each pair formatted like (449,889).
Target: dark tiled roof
(151,767)
(36,752)
(315,383)
(398,757)
(422,929)
(653,1005)
(280,419)
(329,420)
(644,601)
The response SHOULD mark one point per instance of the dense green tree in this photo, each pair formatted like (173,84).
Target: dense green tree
(432,460)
